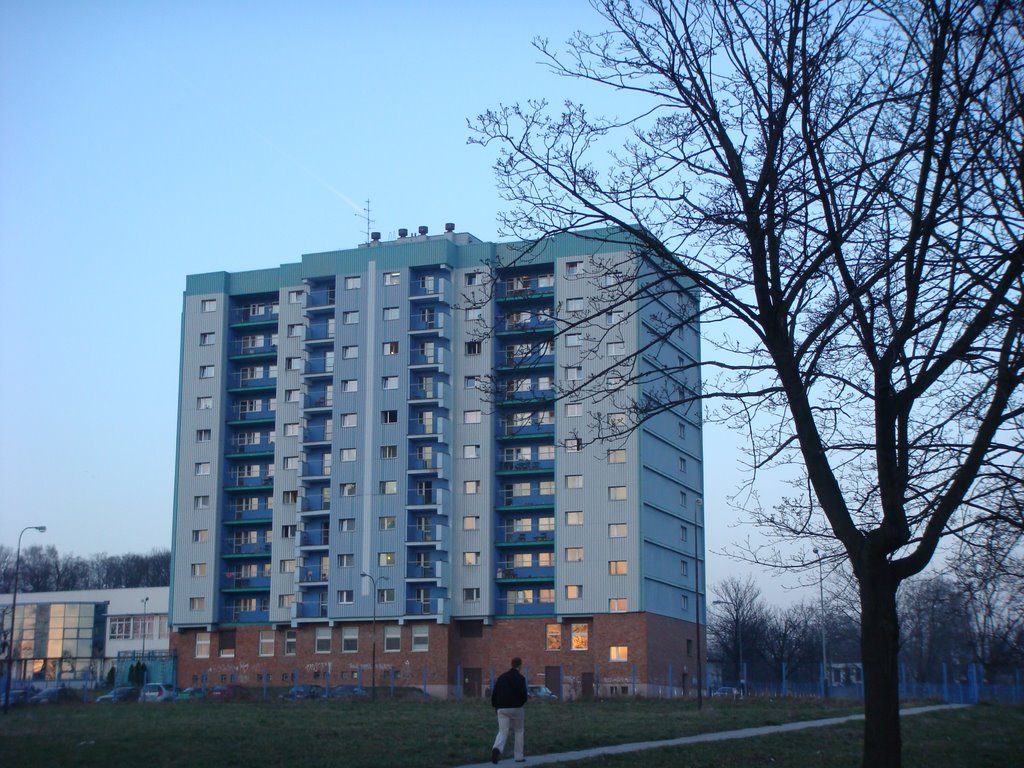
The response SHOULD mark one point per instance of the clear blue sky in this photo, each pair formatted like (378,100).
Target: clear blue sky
(144,141)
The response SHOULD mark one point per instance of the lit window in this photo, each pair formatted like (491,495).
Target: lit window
(385,558)
(392,278)
(206,371)
(471,594)
(616,530)
(470,522)
(390,348)
(574,518)
(202,641)
(471,417)
(471,558)
(198,570)
(554,637)
(389,382)
(573,554)
(618,653)
(580,637)
(323,640)
(353,283)
(574,481)
(471,486)
(208,305)
(617,605)
(617,568)
(617,493)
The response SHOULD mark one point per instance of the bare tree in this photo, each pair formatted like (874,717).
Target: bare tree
(791,638)
(936,627)
(841,180)
(737,622)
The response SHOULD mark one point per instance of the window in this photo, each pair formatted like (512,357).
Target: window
(684,568)
(616,493)
(202,468)
(682,464)
(389,417)
(420,637)
(617,605)
(346,560)
(471,486)
(618,653)
(290,641)
(347,524)
(616,530)
(473,347)
(291,462)
(207,339)
(574,481)
(573,373)
(573,554)
(294,297)
(349,318)
(198,570)
(346,597)
(574,518)
(323,640)
(348,454)
(471,278)
(204,403)
(684,533)
(614,316)
(389,451)
(293,363)
(471,417)
(389,382)
(392,638)
(580,637)
(685,604)
(471,451)
(470,522)
(616,419)
(554,637)
(349,385)
(574,445)
(347,489)
(291,429)
(574,305)
(200,535)
(295,331)
(471,594)
(573,268)
(471,382)
(287,566)
(471,558)
(200,502)
(573,340)
(202,642)
(350,639)
(206,371)
(353,283)
(546,488)
(386,595)
(197,603)
(386,523)
(392,278)
(389,487)
(208,305)
(617,456)
(616,348)
(290,497)
(614,381)
(266,647)
(385,558)
(292,395)
(617,568)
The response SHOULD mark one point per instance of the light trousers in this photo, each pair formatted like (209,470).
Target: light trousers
(514,718)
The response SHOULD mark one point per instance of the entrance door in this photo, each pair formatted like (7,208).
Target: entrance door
(553,680)
(471,682)
(587,680)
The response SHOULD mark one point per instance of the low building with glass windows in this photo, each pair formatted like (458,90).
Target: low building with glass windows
(88,637)
(391,452)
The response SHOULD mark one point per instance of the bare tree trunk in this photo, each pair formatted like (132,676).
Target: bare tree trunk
(880,645)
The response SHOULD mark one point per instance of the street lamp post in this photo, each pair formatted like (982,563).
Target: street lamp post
(740,677)
(145,629)
(373,632)
(821,597)
(14,606)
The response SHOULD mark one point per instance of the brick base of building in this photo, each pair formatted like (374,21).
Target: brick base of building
(602,655)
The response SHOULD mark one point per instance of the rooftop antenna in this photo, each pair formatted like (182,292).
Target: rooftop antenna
(366,217)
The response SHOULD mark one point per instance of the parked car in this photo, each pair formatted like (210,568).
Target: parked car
(153,692)
(727,691)
(57,695)
(298,692)
(226,693)
(348,692)
(191,694)
(541,693)
(120,695)
(19,696)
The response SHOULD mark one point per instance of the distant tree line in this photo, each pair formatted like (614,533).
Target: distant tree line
(44,569)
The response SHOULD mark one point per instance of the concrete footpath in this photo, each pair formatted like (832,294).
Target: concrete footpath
(742,733)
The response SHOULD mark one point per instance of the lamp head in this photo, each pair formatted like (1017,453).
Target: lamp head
(40,528)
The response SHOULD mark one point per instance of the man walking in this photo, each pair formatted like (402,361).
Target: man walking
(508,697)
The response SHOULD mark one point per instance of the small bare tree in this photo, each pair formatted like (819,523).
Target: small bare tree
(842,181)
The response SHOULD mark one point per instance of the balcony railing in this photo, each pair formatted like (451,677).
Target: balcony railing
(430,534)
(263,446)
(510,428)
(424,571)
(240,348)
(318,366)
(318,400)
(428,607)
(250,481)
(439,356)
(436,461)
(314,575)
(237,381)
(262,512)
(510,572)
(320,538)
(438,322)
(310,610)
(319,332)
(237,616)
(527,466)
(248,415)
(510,499)
(316,469)
(233,581)
(323,297)
(318,433)
(510,536)
(315,504)
(509,606)
(254,314)
(249,548)
(438,391)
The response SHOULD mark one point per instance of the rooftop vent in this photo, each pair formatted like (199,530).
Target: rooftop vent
(449,227)
(423,230)
(403,232)
(375,236)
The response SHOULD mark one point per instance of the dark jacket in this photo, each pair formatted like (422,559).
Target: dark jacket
(509,690)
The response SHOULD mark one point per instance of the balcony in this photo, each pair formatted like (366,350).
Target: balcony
(314,575)
(435,534)
(252,416)
(319,333)
(540,467)
(318,433)
(432,497)
(525,292)
(238,616)
(318,400)
(530,360)
(423,571)
(235,582)
(310,609)
(320,299)
(264,446)
(250,351)
(249,482)
(321,538)
(534,325)
(534,428)
(437,427)
(315,504)
(429,607)
(318,367)
(438,391)
(249,548)
(509,606)
(427,326)
(533,573)
(315,469)
(238,381)
(254,314)
(436,462)
(511,536)
(438,357)
(261,513)
(436,287)
(533,499)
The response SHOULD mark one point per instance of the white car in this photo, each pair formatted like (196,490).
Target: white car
(152,692)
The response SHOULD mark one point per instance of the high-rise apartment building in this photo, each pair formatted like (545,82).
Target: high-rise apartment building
(391,451)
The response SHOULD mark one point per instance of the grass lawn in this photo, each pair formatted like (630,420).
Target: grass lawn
(418,734)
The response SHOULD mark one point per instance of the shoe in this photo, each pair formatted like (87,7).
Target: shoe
(495,755)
